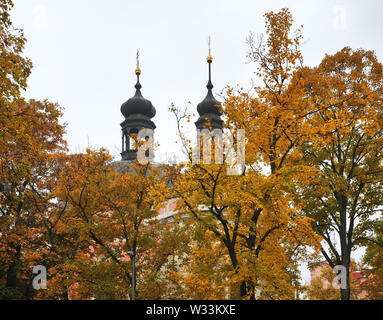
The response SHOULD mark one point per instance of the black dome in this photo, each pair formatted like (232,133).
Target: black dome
(209,104)
(138,105)
(209,110)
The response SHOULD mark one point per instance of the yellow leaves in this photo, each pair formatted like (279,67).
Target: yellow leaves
(205,275)
(112,212)
(15,68)
(278,56)
(253,216)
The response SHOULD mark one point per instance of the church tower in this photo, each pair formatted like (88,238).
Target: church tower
(209,109)
(138,113)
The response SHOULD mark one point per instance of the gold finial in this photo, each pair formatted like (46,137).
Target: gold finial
(138,70)
(209,57)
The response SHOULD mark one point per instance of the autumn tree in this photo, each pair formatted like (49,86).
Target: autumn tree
(252,214)
(25,210)
(113,212)
(15,69)
(346,146)
(274,115)
(30,133)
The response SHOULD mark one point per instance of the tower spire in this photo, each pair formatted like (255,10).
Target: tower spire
(138,71)
(209,43)
(138,113)
(209,60)
(209,108)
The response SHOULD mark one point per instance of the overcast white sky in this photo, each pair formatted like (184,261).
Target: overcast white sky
(84,51)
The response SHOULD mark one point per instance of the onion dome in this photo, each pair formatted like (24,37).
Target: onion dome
(138,105)
(138,112)
(210,108)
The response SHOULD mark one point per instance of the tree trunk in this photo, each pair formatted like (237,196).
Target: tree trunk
(234,263)
(345,253)
(346,293)
(12,270)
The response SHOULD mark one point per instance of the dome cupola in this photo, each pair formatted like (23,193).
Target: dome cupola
(209,109)
(138,105)
(138,113)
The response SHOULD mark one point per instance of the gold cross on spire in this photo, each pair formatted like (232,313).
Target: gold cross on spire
(209,57)
(138,58)
(209,43)
(138,70)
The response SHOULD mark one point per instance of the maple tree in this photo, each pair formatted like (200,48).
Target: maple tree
(26,164)
(251,214)
(274,117)
(113,213)
(15,69)
(30,133)
(346,146)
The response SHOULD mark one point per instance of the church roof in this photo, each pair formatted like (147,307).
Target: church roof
(209,109)
(138,105)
